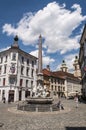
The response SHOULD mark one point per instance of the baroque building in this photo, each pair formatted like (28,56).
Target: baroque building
(82,61)
(17,73)
(62,83)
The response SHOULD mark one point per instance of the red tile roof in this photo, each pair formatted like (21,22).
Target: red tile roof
(59,74)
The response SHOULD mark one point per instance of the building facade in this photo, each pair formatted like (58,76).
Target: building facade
(82,61)
(17,73)
(62,83)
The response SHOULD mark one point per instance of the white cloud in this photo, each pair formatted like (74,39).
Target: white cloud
(46,59)
(4,49)
(34,53)
(54,22)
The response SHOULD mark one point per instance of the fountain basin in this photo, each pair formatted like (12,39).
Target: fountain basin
(39,100)
(38,105)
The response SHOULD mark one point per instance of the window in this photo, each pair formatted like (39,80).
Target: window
(27,71)
(14,56)
(3,93)
(0,69)
(27,61)
(58,88)
(62,82)
(21,82)
(26,83)
(63,88)
(5,67)
(75,67)
(32,63)
(58,81)
(52,87)
(12,68)
(6,59)
(0,81)
(12,80)
(52,80)
(22,60)
(31,83)
(55,81)
(1,59)
(3,81)
(32,73)
(22,70)
(55,87)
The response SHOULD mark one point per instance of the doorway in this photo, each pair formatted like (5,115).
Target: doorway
(11,95)
(20,95)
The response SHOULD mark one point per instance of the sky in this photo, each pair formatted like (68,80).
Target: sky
(59,22)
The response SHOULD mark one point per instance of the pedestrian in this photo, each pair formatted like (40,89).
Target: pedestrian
(62,107)
(76,100)
(9,100)
(4,100)
(59,104)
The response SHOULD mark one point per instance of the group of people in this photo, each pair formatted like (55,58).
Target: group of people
(4,100)
(77,100)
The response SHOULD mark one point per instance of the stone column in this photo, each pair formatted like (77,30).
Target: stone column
(40,55)
(40,74)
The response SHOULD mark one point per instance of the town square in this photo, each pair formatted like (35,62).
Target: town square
(43,65)
(71,118)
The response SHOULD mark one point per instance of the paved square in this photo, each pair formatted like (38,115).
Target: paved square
(71,118)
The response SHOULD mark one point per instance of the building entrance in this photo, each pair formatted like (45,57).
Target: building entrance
(11,96)
(27,93)
(20,95)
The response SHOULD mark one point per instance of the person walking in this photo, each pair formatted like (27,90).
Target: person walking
(60,105)
(76,100)
(4,100)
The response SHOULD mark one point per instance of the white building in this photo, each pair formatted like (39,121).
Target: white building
(17,73)
(63,83)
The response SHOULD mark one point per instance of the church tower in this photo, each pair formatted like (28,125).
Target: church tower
(77,72)
(64,68)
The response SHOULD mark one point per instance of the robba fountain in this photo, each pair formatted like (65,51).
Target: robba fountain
(39,102)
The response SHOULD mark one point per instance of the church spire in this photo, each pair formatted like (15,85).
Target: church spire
(77,72)
(64,68)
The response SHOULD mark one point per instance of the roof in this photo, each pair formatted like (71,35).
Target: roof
(51,74)
(66,75)
(17,49)
(60,74)
(46,72)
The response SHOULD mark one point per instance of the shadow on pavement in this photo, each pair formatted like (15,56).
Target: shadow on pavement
(75,128)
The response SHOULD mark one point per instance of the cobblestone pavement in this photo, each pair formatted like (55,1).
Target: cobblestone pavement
(71,118)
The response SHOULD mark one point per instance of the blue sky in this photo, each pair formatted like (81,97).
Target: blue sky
(59,22)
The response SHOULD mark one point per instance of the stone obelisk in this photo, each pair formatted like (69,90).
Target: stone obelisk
(40,74)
